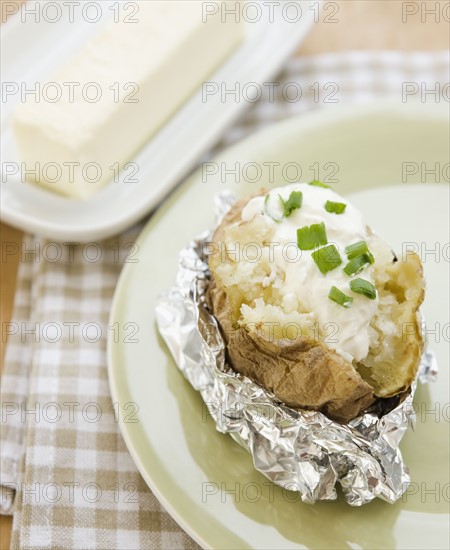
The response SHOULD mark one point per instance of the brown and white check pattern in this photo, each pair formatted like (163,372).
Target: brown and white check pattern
(66,474)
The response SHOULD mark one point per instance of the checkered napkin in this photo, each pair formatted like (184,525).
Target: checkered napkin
(66,474)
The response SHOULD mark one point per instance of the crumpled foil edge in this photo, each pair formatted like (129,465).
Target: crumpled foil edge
(303,451)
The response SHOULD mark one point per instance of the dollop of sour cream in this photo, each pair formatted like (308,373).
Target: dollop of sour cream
(343,329)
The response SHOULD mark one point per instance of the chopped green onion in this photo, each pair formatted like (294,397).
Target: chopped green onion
(358,263)
(356,249)
(311,236)
(294,201)
(318,183)
(327,258)
(361,286)
(335,207)
(339,297)
(267,209)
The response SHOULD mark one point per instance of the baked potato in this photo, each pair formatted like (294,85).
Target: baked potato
(331,330)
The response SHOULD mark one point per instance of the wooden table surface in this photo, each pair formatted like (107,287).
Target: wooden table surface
(363,25)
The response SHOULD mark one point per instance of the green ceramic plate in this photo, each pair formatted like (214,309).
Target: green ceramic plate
(204,479)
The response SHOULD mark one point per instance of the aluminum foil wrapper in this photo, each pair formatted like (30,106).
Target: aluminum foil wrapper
(303,451)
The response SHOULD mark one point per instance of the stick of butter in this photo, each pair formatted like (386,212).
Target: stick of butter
(117,91)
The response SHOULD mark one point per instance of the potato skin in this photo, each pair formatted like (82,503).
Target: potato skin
(305,373)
